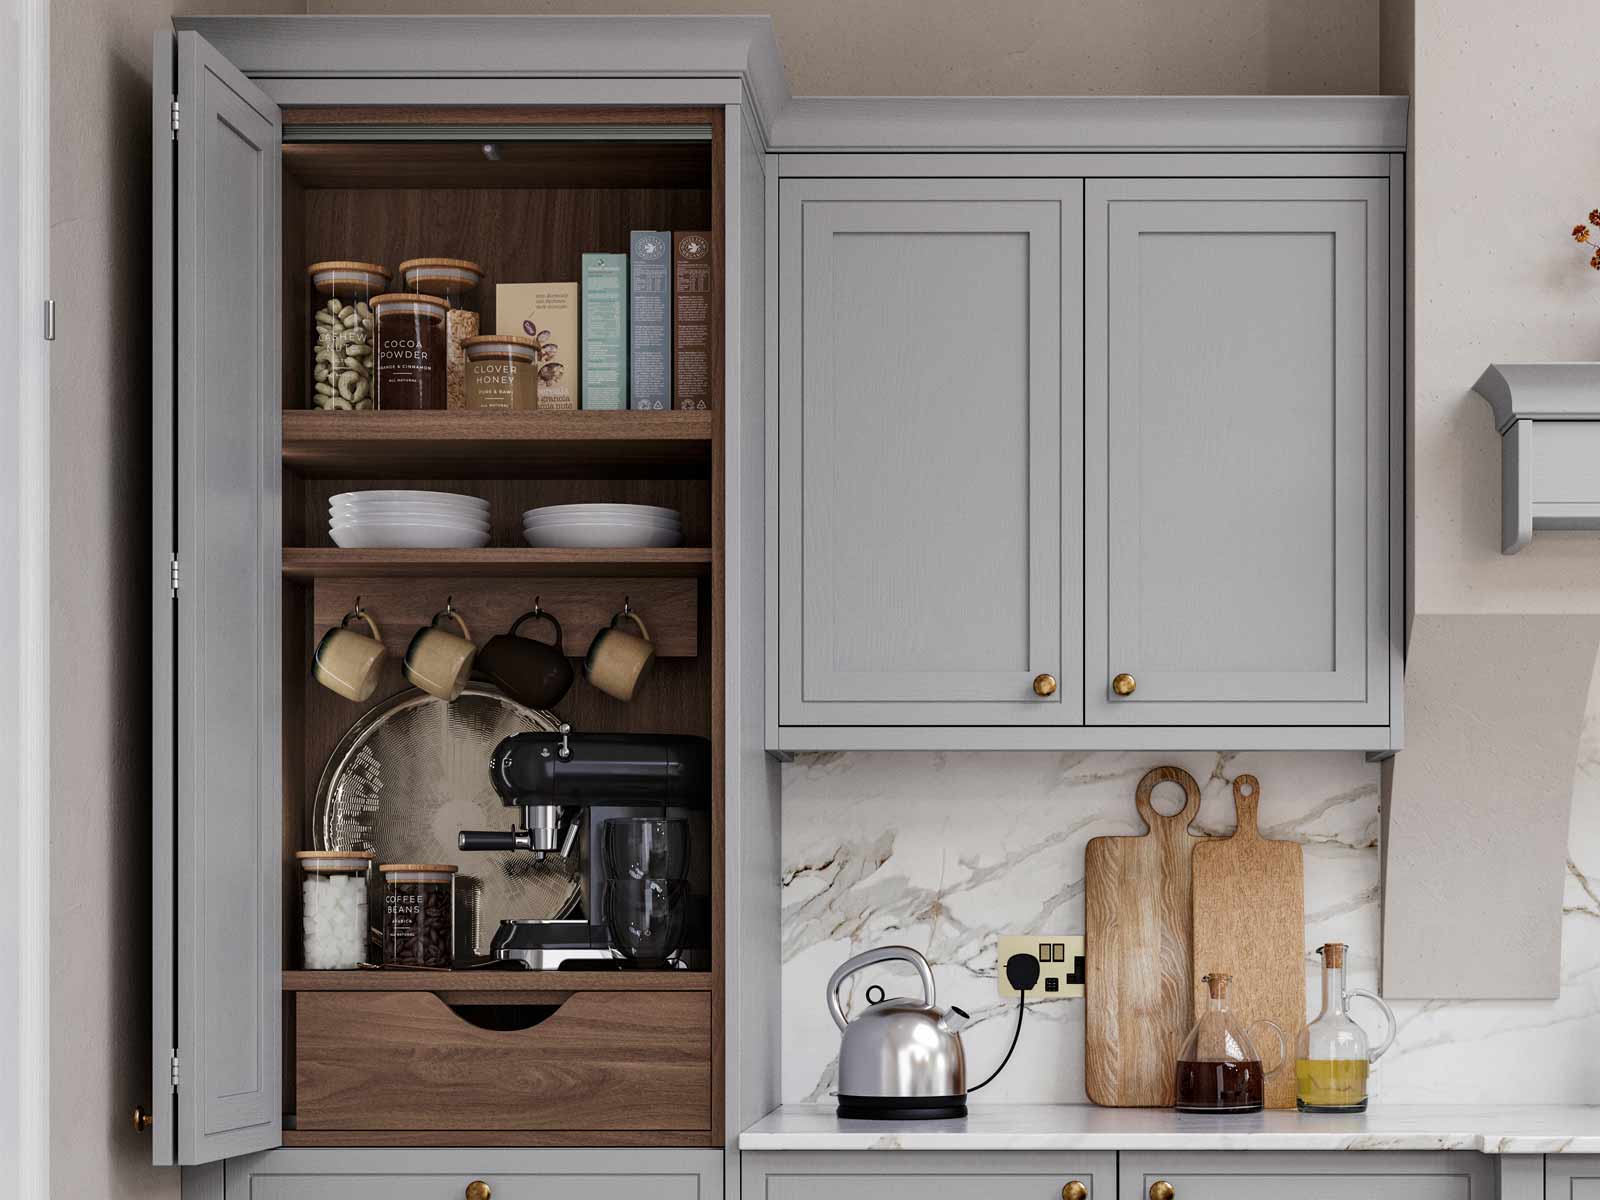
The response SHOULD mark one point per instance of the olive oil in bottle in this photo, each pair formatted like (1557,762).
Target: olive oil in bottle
(1331,1084)
(1333,1053)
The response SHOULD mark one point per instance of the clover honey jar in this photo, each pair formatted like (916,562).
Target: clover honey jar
(502,372)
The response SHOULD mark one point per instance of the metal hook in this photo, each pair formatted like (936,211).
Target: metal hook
(358,609)
(449,606)
(537,611)
(627,609)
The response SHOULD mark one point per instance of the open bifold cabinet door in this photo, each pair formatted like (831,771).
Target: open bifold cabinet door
(217,795)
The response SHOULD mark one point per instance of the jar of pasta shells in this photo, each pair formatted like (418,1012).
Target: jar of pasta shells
(341,321)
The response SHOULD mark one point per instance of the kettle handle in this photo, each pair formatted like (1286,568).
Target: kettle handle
(866,959)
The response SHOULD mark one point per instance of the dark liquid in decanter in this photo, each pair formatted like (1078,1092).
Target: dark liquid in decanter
(1230,1087)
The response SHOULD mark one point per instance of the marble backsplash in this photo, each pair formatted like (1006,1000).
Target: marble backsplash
(945,851)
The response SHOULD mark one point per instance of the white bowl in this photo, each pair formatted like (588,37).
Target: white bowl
(405,512)
(621,522)
(576,536)
(416,537)
(465,527)
(401,496)
(595,510)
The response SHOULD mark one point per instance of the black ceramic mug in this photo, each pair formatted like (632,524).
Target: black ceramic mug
(537,674)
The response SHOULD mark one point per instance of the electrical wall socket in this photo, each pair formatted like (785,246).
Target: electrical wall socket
(1060,963)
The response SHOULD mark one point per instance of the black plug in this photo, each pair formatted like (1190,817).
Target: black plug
(1022,972)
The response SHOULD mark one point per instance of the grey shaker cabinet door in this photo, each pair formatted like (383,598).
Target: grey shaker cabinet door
(938,1175)
(217,791)
(929,425)
(1571,1177)
(1335,1175)
(1237,431)
(443,1174)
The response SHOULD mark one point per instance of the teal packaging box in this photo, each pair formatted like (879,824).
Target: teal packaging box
(650,319)
(605,331)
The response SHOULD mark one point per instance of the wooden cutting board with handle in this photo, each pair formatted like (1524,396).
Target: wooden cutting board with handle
(1249,920)
(1138,984)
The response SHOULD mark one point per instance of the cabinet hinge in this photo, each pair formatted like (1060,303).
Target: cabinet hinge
(174,118)
(174,1070)
(49,320)
(176,577)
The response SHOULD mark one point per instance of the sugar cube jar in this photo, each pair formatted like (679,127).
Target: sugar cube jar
(333,908)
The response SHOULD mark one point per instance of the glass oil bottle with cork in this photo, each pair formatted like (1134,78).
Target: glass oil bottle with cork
(1333,1054)
(1219,1069)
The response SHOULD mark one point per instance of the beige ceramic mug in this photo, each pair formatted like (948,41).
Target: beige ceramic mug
(438,661)
(617,658)
(349,662)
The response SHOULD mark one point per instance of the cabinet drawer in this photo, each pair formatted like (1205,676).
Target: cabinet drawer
(585,1061)
(1340,1175)
(943,1175)
(403,1174)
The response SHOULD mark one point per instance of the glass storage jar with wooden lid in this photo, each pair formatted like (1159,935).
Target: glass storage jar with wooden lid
(339,311)
(418,914)
(333,908)
(411,350)
(456,280)
(502,372)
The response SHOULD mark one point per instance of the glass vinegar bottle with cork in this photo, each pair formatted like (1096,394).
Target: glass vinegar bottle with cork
(1333,1053)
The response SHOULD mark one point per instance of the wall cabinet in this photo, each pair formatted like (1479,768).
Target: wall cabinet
(1123,481)
(929,452)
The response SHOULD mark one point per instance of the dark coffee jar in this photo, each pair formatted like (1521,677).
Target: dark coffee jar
(418,914)
(411,350)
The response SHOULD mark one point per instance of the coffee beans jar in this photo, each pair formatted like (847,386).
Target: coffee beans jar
(455,281)
(502,372)
(418,914)
(333,908)
(341,329)
(411,350)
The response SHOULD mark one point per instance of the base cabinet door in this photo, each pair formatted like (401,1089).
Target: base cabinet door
(1338,1175)
(1238,415)
(926,1175)
(928,568)
(448,1174)
(1570,1177)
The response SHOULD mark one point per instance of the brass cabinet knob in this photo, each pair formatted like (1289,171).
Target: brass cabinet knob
(1074,1191)
(478,1190)
(141,1119)
(1162,1190)
(1124,684)
(1044,685)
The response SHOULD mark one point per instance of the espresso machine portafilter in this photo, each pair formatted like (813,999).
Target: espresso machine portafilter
(566,786)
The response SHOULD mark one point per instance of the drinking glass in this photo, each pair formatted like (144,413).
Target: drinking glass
(646,918)
(647,848)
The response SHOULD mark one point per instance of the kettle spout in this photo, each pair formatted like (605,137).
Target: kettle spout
(955,1020)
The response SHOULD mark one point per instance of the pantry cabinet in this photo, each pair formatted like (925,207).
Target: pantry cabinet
(929,452)
(1138,490)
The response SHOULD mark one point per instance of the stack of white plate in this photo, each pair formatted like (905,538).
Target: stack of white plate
(609,525)
(414,520)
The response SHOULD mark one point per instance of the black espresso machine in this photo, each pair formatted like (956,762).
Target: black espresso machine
(567,786)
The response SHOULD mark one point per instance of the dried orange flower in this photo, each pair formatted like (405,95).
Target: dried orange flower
(1594,216)
(1595,261)
(1580,233)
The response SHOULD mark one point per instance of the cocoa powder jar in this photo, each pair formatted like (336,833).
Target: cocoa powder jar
(410,350)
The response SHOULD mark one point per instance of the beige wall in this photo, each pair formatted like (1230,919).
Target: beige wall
(1028,47)
(1505,112)
(100,63)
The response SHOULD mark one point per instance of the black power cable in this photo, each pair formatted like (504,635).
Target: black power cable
(1022,972)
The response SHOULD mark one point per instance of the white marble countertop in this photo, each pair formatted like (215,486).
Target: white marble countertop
(1519,1129)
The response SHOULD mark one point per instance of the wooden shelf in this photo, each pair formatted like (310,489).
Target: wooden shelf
(496,981)
(682,562)
(489,445)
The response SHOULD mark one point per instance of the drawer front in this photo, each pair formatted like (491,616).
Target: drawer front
(1340,1175)
(410,1061)
(366,1174)
(945,1175)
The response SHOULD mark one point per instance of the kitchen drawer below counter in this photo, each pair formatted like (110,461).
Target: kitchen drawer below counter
(609,1064)
(410,1174)
(1505,1130)
(947,1176)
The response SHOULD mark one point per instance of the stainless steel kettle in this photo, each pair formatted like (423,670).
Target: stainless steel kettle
(901,1059)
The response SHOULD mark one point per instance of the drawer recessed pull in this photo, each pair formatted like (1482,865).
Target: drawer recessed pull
(478,1190)
(1162,1190)
(1074,1191)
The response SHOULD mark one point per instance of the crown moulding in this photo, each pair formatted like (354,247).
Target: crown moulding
(1548,417)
